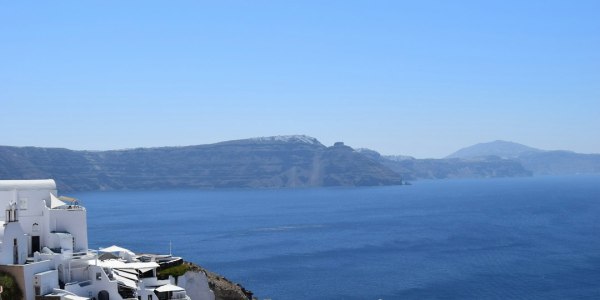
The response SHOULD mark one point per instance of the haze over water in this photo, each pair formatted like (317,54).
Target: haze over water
(524,238)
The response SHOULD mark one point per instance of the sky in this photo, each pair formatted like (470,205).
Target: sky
(419,78)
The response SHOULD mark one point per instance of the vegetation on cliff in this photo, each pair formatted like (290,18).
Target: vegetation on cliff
(10,289)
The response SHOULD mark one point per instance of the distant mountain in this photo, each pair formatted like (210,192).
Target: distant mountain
(502,149)
(283,161)
(561,163)
(492,167)
(482,167)
(539,162)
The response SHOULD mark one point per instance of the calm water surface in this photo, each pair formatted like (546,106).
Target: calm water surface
(526,238)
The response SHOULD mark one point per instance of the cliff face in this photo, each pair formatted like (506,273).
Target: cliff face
(296,161)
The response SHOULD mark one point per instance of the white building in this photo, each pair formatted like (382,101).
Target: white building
(44,245)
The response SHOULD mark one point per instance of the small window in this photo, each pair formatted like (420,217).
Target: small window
(98,276)
(23,203)
(149,297)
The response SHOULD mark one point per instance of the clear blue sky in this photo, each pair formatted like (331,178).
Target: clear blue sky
(421,78)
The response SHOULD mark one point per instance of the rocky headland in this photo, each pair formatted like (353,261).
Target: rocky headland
(272,162)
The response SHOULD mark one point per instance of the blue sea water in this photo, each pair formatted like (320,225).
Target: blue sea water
(523,238)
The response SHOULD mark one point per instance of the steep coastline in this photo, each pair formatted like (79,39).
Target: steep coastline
(274,162)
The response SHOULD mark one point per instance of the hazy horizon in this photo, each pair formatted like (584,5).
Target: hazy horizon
(421,79)
(325,144)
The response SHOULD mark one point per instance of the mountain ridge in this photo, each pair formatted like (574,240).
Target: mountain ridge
(411,168)
(287,161)
(270,162)
(488,160)
(539,162)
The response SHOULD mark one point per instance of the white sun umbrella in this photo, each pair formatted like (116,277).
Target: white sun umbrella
(169,288)
(123,253)
(73,297)
(115,248)
(55,202)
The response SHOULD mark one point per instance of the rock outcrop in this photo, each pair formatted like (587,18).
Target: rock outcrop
(197,279)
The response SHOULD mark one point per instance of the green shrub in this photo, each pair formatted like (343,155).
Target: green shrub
(174,271)
(10,289)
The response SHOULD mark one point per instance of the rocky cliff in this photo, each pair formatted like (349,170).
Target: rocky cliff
(290,161)
(223,288)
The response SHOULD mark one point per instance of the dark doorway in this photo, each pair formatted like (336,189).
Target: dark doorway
(35,244)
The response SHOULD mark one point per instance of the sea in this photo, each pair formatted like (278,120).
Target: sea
(513,238)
